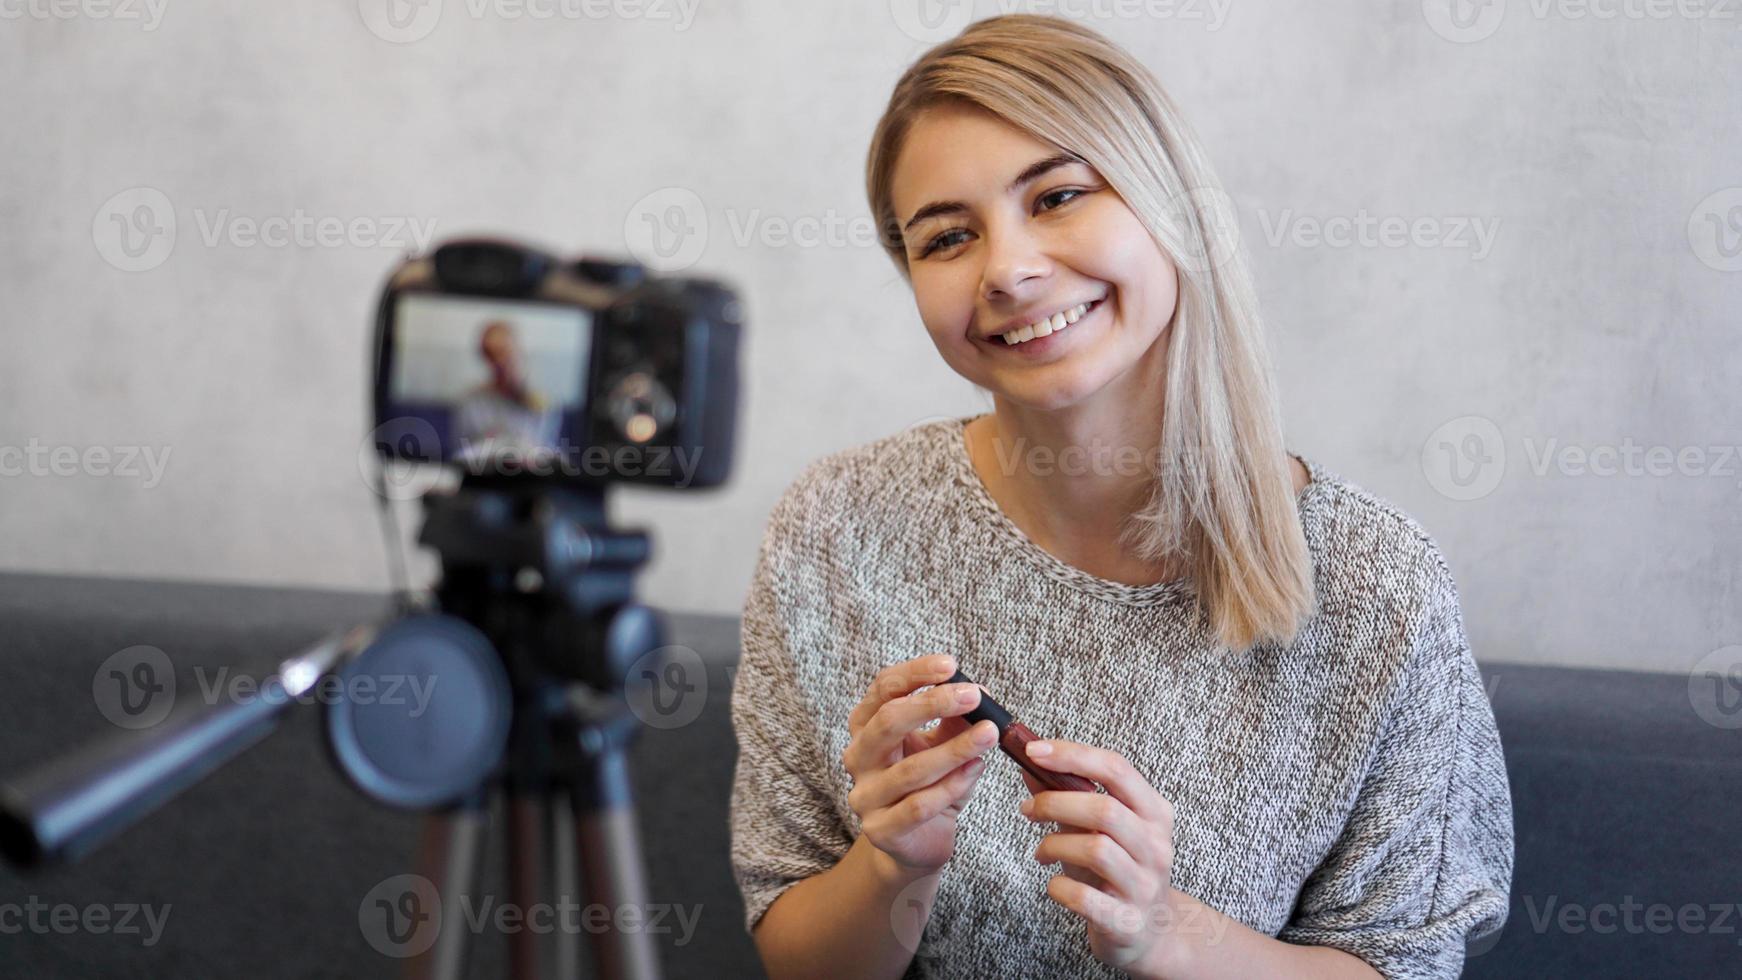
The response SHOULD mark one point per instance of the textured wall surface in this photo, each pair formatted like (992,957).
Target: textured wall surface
(1499,248)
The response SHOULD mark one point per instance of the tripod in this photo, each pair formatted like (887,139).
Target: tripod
(550,587)
(535,647)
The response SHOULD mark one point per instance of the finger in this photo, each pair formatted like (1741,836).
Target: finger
(917,808)
(916,772)
(1100,856)
(891,684)
(1110,769)
(873,747)
(1119,921)
(898,680)
(1097,813)
(920,739)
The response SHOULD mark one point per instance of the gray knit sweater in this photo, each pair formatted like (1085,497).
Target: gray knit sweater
(1344,790)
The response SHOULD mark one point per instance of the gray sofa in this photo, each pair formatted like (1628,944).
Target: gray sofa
(1625,801)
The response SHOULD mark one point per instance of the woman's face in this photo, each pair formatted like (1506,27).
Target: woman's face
(989,254)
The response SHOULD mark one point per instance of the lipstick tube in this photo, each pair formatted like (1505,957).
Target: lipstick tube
(1014,736)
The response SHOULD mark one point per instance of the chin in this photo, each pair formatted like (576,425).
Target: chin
(1047,394)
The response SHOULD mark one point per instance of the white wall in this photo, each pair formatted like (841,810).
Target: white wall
(1603,311)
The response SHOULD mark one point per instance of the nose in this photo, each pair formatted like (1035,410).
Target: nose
(1015,266)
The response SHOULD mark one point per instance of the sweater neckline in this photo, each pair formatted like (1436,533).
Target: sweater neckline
(999,523)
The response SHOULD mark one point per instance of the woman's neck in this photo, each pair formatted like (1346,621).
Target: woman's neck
(1069,479)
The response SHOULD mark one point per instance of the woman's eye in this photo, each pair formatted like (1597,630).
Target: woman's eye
(1055,196)
(941,241)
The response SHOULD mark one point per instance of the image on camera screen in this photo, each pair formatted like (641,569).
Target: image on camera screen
(492,377)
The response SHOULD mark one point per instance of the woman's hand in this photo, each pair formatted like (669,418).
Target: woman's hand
(1116,850)
(908,785)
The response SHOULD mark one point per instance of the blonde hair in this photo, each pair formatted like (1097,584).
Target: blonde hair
(1223,504)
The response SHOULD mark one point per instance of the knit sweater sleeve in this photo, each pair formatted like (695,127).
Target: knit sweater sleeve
(784,825)
(1424,862)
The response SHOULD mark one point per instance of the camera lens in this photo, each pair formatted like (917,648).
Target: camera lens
(640,406)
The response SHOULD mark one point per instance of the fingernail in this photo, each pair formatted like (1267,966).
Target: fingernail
(1027,807)
(1038,749)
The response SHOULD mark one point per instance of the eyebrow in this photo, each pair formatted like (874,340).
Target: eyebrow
(1029,174)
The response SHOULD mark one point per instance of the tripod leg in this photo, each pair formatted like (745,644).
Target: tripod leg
(567,943)
(448,856)
(610,852)
(540,877)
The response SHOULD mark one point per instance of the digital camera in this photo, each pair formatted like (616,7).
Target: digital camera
(517,366)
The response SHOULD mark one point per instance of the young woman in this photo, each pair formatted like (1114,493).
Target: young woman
(1262,664)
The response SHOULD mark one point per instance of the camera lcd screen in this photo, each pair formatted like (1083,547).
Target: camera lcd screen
(490,377)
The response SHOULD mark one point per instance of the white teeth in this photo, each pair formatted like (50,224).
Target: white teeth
(1051,325)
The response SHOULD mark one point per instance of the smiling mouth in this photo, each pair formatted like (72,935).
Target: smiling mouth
(1046,328)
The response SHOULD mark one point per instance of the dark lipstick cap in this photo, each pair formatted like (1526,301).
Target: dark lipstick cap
(987,708)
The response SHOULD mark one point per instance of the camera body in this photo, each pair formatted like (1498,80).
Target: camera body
(521,367)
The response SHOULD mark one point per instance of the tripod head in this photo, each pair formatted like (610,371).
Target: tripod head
(537,615)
